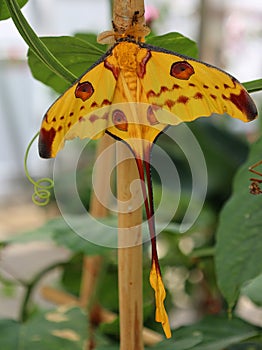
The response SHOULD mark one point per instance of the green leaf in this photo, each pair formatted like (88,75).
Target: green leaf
(253,290)
(70,239)
(247,346)
(175,42)
(4,12)
(254,85)
(180,342)
(77,54)
(60,328)
(91,40)
(58,230)
(56,329)
(72,273)
(9,334)
(110,328)
(239,245)
(212,333)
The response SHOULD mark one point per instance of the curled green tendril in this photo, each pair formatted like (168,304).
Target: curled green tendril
(42,187)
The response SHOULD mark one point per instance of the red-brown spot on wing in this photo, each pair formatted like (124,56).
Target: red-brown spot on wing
(45,141)
(151,115)
(94,105)
(106,102)
(84,90)
(114,69)
(244,103)
(105,116)
(183,99)
(119,119)
(234,81)
(213,96)
(198,96)
(141,69)
(93,118)
(152,93)
(170,103)
(181,70)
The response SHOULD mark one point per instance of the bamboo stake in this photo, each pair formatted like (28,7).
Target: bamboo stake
(97,209)
(128,19)
(124,13)
(92,264)
(129,257)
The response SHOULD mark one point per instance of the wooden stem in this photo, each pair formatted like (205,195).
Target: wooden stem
(129,252)
(92,264)
(97,209)
(123,12)
(128,20)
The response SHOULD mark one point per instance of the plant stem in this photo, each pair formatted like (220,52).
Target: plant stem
(36,44)
(92,264)
(30,287)
(129,252)
(253,85)
(128,16)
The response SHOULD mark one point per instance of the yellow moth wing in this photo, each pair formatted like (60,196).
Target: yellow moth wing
(140,73)
(191,89)
(79,112)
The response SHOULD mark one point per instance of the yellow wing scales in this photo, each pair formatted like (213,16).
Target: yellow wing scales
(204,91)
(139,73)
(82,111)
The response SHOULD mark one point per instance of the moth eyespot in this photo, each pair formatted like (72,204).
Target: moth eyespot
(84,90)
(119,119)
(151,115)
(181,70)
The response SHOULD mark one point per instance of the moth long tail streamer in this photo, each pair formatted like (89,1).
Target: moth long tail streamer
(155,273)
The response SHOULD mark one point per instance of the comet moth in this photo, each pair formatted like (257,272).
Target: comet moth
(125,94)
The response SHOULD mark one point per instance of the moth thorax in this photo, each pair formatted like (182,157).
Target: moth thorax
(126,54)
